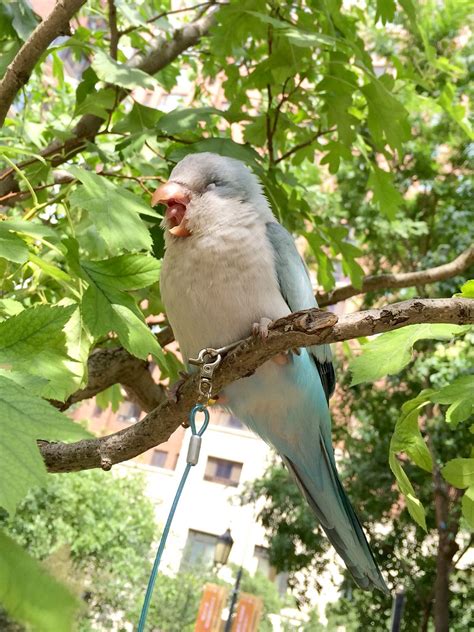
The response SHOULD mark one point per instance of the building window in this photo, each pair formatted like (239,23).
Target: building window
(162,458)
(199,550)
(158,458)
(222,471)
(129,412)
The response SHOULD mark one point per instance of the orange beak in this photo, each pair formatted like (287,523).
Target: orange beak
(176,198)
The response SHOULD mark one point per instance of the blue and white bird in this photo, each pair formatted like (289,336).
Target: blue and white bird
(229,269)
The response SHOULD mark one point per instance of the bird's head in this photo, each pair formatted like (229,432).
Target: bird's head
(206,191)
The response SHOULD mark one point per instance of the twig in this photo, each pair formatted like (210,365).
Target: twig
(163,14)
(164,53)
(114,33)
(304,144)
(20,69)
(394,281)
(297,330)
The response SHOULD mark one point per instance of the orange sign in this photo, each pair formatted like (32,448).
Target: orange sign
(248,615)
(212,602)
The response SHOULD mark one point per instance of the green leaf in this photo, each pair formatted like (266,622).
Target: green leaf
(459,394)
(221,146)
(114,210)
(110,71)
(459,472)
(12,247)
(467,505)
(125,272)
(387,118)
(385,10)
(407,436)
(26,418)
(10,307)
(98,103)
(34,334)
(467,290)
(32,383)
(31,228)
(386,196)
(110,396)
(414,506)
(29,594)
(50,269)
(186,120)
(389,353)
(106,309)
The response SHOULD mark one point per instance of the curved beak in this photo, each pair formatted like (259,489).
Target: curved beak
(176,198)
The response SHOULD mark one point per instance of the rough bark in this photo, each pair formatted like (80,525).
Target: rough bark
(106,367)
(164,52)
(405,279)
(297,330)
(20,69)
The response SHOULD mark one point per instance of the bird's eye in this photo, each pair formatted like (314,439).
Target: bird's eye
(211,185)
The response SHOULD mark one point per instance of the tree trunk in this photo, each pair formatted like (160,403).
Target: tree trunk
(447,526)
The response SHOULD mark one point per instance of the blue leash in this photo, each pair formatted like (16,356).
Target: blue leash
(192,459)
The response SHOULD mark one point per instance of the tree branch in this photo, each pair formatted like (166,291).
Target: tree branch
(405,279)
(20,69)
(106,367)
(114,33)
(164,53)
(297,330)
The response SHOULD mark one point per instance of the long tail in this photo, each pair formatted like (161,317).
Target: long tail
(342,526)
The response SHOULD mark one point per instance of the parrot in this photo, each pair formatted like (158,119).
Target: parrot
(229,270)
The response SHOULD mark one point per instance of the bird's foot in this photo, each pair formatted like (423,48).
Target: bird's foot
(261,328)
(173,390)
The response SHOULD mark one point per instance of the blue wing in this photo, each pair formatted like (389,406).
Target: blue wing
(295,287)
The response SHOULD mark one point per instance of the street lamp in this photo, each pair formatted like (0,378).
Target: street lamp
(221,555)
(223,548)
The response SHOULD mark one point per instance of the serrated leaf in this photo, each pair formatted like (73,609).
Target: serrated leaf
(34,341)
(221,146)
(460,397)
(467,290)
(125,272)
(467,505)
(33,333)
(386,196)
(32,383)
(111,71)
(106,309)
(407,436)
(114,210)
(10,307)
(387,118)
(389,353)
(29,594)
(26,418)
(459,472)
(186,120)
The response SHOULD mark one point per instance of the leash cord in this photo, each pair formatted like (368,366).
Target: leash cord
(192,459)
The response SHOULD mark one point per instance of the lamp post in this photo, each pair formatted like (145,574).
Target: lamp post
(223,548)
(221,555)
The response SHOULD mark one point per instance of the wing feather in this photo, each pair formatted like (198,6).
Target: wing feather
(296,289)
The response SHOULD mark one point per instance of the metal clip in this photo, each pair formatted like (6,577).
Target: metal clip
(208,360)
